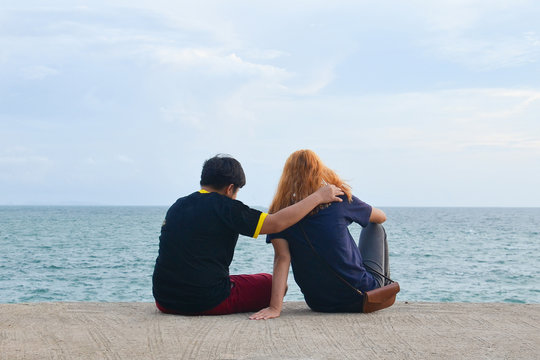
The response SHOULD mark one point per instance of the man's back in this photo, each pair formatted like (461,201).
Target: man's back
(197,244)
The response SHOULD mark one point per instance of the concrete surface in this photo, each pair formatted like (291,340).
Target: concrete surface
(139,331)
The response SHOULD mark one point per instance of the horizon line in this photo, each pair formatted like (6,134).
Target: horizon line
(256,206)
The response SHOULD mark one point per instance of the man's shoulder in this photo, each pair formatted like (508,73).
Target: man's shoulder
(212,199)
(200,194)
(184,199)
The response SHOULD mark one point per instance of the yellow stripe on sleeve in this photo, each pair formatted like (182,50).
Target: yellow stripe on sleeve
(259,225)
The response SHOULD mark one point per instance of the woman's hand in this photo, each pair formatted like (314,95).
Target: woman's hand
(329,193)
(266,313)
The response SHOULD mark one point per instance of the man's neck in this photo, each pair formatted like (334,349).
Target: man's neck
(227,191)
(211,189)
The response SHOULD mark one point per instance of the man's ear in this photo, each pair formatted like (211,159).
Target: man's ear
(230,191)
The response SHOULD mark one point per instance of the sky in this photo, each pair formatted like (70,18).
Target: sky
(413,103)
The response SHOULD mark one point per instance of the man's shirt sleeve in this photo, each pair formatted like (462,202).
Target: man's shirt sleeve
(242,218)
(260,224)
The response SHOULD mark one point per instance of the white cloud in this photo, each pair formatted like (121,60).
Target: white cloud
(90,161)
(453,15)
(38,72)
(517,103)
(265,54)
(478,34)
(216,61)
(257,80)
(177,113)
(489,54)
(313,81)
(124,159)
(21,165)
(23,160)
(518,141)
(447,121)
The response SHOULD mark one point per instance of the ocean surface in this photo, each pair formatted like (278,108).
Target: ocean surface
(69,253)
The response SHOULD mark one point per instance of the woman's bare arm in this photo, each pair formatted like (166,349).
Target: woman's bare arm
(377,216)
(282,261)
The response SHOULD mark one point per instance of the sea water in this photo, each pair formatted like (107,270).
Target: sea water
(107,253)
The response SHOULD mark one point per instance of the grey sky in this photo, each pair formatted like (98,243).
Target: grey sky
(415,103)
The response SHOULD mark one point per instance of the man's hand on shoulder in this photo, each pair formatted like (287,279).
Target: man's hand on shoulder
(329,193)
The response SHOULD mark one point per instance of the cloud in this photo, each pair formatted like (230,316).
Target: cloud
(90,161)
(38,72)
(479,35)
(517,141)
(177,113)
(445,121)
(265,54)
(216,61)
(124,159)
(518,103)
(144,88)
(476,118)
(312,82)
(490,54)
(23,160)
(21,165)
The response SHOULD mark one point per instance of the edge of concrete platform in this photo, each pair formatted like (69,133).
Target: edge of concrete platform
(88,330)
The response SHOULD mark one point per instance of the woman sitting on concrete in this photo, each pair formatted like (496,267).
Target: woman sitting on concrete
(322,241)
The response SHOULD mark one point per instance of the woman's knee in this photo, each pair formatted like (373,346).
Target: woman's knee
(373,229)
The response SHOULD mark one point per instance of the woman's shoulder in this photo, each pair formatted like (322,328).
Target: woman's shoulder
(345,204)
(344,209)
(357,202)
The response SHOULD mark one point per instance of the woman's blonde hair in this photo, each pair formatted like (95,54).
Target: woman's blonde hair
(303,174)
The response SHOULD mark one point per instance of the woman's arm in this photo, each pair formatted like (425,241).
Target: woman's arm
(377,216)
(290,215)
(282,261)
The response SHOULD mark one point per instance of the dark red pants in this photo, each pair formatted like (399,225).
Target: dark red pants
(248,293)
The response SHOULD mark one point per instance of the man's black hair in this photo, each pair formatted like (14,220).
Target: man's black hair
(222,170)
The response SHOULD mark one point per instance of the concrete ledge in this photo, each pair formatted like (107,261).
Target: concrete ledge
(139,331)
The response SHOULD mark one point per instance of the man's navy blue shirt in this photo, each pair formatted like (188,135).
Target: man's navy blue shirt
(329,234)
(196,247)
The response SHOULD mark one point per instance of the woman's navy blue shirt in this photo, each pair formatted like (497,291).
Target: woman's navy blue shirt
(329,234)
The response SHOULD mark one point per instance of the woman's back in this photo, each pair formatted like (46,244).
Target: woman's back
(328,232)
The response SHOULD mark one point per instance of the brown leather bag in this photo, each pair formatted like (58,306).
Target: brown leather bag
(380,298)
(376,299)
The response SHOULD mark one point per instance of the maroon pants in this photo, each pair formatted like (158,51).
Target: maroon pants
(248,293)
